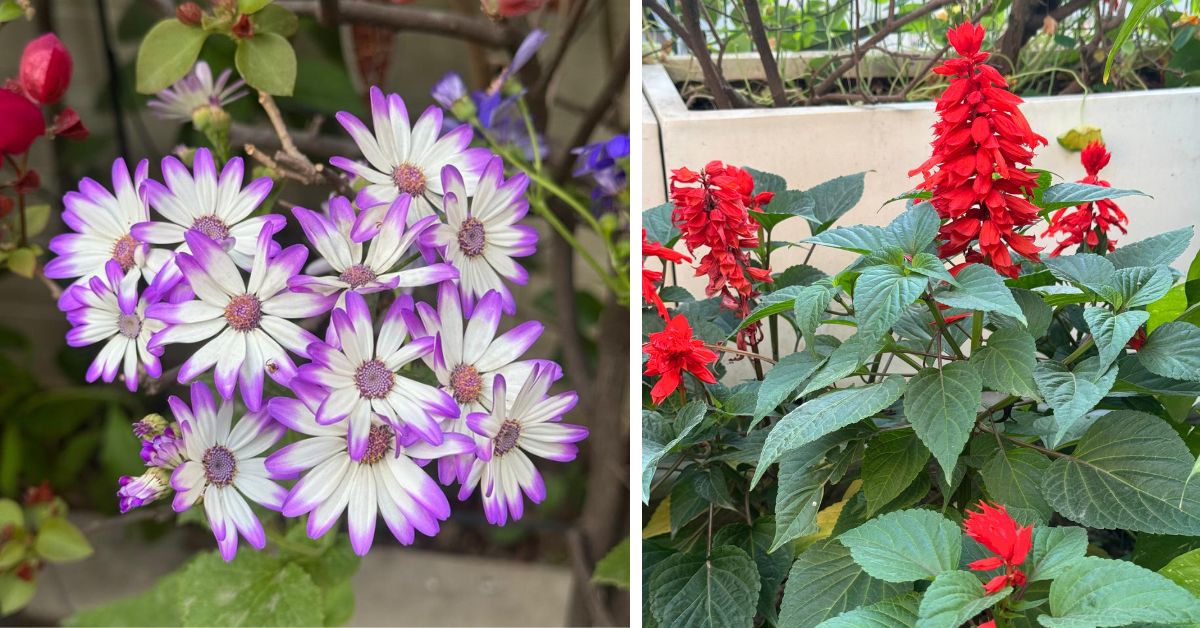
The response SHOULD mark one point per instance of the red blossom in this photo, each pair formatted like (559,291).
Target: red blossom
(651,277)
(1084,224)
(673,351)
(23,123)
(67,124)
(993,528)
(977,175)
(497,9)
(45,69)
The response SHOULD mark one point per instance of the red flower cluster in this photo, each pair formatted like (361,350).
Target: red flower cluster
(712,209)
(1087,222)
(673,351)
(45,73)
(981,148)
(651,277)
(994,529)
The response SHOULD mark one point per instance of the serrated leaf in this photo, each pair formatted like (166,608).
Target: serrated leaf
(766,181)
(59,541)
(981,288)
(905,545)
(915,229)
(255,589)
(843,361)
(1142,285)
(1073,393)
(1006,363)
(1085,269)
(1173,350)
(1113,331)
(1184,570)
(1054,549)
(772,303)
(267,63)
(1157,250)
(891,462)
(167,53)
(1098,592)
(720,590)
(658,225)
(953,598)
(881,295)
(864,239)
(809,311)
(686,420)
(833,198)
(933,267)
(803,474)
(1071,194)
(897,612)
(773,566)
(1130,470)
(1133,377)
(1168,308)
(1013,477)
(825,414)
(825,582)
(941,406)
(782,380)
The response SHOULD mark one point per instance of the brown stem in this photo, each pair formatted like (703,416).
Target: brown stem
(770,68)
(694,39)
(410,18)
(288,161)
(747,354)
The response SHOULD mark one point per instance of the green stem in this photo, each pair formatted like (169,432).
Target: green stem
(943,328)
(539,206)
(976,331)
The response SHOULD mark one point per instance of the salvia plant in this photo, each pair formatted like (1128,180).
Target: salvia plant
(967,430)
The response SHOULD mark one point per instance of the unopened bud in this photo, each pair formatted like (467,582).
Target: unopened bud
(189,13)
(150,426)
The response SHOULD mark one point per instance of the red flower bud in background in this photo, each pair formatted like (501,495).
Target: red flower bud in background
(67,124)
(189,13)
(6,206)
(23,123)
(497,9)
(28,182)
(45,69)
(243,28)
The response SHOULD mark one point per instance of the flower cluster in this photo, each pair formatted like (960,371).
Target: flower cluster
(607,164)
(650,277)
(43,77)
(978,176)
(713,209)
(1086,224)
(993,528)
(672,352)
(206,271)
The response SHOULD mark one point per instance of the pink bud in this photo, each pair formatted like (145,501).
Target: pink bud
(67,124)
(46,69)
(23,123)
(497,9)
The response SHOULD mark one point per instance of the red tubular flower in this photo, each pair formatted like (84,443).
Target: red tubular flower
(1084,224)
(652,277)
(23,123)
(673,351)
(981,148)
(45,69)
(994,529)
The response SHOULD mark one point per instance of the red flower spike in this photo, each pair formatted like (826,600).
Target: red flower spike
(993,528)
(977,174)
(672,352)
(1083,224)
(23,123)
(45,69)
(652,277)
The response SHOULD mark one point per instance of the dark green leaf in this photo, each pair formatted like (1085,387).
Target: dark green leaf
(941,406)
(826,582)
(692,590)
(267,62)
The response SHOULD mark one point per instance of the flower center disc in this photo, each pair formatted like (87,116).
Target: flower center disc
(358,276)
(212,227)
(379,441)
(409,178)
(220,466)
(471,237)
(243,312)
(506,438)
(373,379)
(123,251)
(466,384)
(129,325)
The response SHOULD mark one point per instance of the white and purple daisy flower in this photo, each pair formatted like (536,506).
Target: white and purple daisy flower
(248,319)
(480,237)
(111,310)
(469,358)
(529,425)
(386,479)
(361,374)
(379,269)
(148,487)
(405,158)
(103,223)
(223,467)
(194,91)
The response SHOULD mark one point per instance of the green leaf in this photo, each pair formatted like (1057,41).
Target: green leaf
(1073,394)
(36,217)
(1184,570)
(252,6)
(980,288)
(11,514)
(1078,138)
(1013,477)
(941,406)
(1098,592)
(881,295)
(15,593)
(766,181)
(803,474)
(167,54)
(1130,470)
(826,582)
(58,541)
(686,420)
(1006,363)
(1173,350)
(833,198)
(771,304)
(23,262)
(782,380)
(255,589)
(809,311)
(953,598)
(275,19)
(844,360)
(658,225)
(825,414)
(891,462)
(1168,308)
(1054,549)
(915,229)
(1143,285)
(720,590)
(773,566)
(267,62)
(1071,194)
(933,267)
(1113,331)
(905,545)
(897,612)
(614,567)
(1157,250)
(864,239)
(1085,269)
(1140,9)
(10,10)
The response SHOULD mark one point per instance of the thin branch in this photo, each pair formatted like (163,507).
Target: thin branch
(748,354)
(408,18)
(713,80)
(770,68)
(288,161)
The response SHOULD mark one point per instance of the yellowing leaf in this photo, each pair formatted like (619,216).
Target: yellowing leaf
(1077,138)
(660,521)
(827,519)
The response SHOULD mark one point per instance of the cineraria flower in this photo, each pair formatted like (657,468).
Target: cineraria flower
(163,450)
(361,375)
(111,310)
(377,271)
(218,208)
(1085,223)
(385,479)
(673,351)
(601,161)
(470,356)
(224,468)
(651,277)
(103,224)
(404,158)
(147,487)
(248,320)
(982,146)
(194,91)
(149,426)
(994,529)
(480,236)
(529,425)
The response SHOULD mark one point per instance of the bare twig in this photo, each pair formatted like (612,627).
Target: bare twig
(409,18)
(748,354)
(581,567)
(720,89)
(770,68)
(288,161)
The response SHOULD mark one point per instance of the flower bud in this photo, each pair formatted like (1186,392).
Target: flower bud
(67,124)
(150,426)
(243,28)
(45,69)
(164,450)
(23,123)
(189,13)
(148,487)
